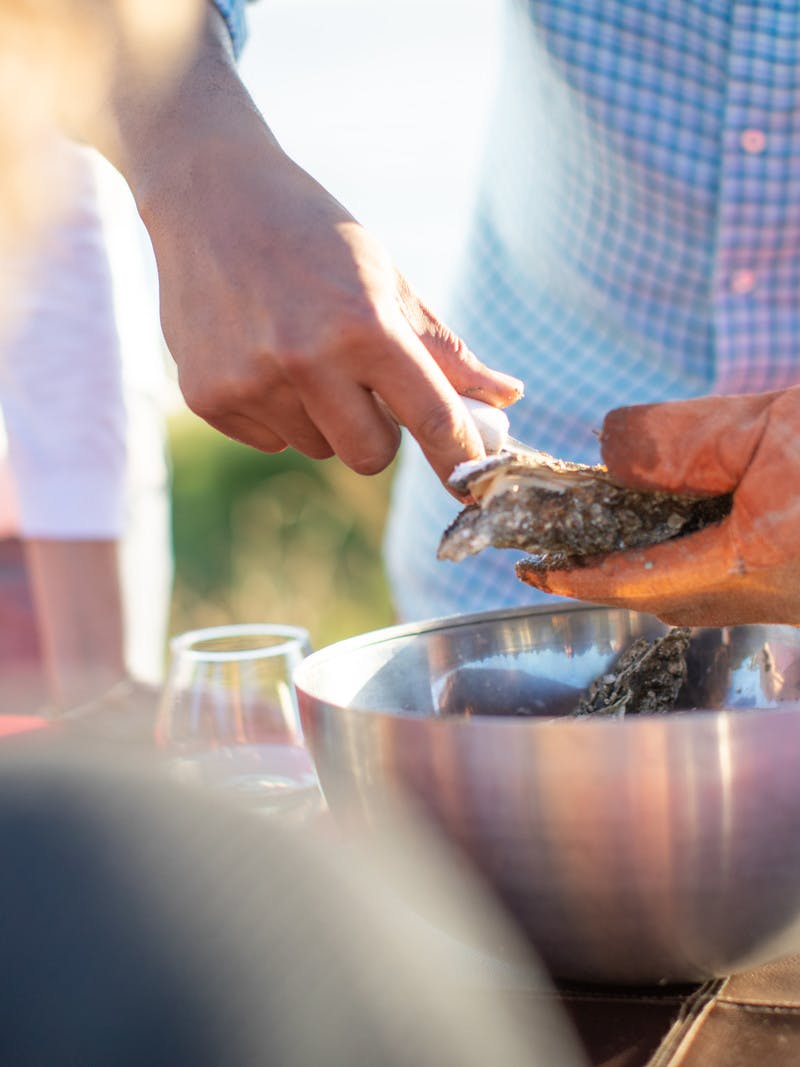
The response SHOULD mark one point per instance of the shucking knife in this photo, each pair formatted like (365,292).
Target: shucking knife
(493,426)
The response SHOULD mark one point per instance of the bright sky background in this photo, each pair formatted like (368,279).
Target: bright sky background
(386,103)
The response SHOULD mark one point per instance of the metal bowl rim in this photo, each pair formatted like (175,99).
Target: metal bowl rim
(448,622)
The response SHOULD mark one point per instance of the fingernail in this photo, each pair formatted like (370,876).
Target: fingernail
(515,385)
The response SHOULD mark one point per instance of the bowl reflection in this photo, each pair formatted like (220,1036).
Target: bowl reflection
(642,850)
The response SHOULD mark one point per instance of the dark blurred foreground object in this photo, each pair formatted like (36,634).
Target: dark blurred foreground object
(146,924)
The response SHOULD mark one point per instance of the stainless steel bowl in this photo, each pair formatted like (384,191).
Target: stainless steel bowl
(635,850)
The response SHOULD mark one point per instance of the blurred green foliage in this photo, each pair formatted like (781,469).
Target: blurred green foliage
(274,538)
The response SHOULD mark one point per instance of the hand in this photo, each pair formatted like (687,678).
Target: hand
(287,321)
(745,569)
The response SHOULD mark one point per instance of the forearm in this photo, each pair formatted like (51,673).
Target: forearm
(288,322)
(160,131)
(77,597)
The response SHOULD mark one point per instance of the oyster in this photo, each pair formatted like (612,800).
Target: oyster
(563,512)
(683,669)
(646,678)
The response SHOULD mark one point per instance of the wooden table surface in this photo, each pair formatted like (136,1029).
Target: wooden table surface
(748,1020)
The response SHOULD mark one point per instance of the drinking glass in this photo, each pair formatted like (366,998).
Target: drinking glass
(229,719)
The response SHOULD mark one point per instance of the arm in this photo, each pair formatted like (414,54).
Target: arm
(76,593)
(746,569)
(62,397)
(288,323)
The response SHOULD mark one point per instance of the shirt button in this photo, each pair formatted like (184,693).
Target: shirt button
(753,141)
(743,282)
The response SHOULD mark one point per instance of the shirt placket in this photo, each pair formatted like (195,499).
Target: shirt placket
(758,222)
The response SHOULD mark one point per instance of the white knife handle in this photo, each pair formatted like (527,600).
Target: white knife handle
(492,423)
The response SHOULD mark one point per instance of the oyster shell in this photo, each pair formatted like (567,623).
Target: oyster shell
(563,512)
(646,678)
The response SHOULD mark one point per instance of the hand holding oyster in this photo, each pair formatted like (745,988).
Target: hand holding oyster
(563,513)
(709,516)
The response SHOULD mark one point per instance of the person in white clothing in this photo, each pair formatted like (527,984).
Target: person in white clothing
(86,485)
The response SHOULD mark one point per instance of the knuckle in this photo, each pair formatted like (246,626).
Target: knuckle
(368,465)
(242,391)
(357,325)
(355,328)
(222,393)
(320,451)
(467,359)
(299,365)
(458,348)
(439,426)
(372,462)
(200,399)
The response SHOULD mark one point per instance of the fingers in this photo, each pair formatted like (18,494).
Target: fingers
(657,580)
(323,408)
(745,569)
(698,580)
(246,431)
(767,596)
(699,446)
(766,510)
(461,367)
(254,432)
(357,425)
(420,397)
(339,404)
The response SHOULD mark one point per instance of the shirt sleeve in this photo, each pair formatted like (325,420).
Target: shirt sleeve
(233,13)
(61,388)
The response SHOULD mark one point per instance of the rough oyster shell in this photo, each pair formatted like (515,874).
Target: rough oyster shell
(563,512)
(646,678)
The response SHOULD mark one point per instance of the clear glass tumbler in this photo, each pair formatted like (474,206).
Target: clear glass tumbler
(228,716)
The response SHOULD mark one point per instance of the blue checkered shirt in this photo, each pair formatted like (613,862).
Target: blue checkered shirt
(233,13)
(637,238)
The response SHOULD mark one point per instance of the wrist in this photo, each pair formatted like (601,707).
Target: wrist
(164,134)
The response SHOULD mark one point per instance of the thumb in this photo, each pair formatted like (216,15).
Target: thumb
(465,372)
(701,446)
